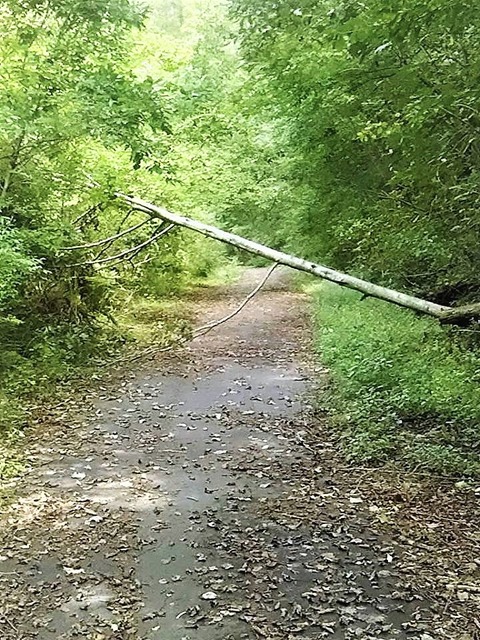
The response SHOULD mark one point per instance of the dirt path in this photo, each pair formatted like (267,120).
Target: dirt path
(189,503)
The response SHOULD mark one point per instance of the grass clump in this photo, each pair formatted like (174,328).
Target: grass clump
(402,387)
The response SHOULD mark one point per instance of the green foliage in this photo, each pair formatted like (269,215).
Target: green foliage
(14,263)
(403,389)
(81,119)
(382,106)
(64,88)
(345,132)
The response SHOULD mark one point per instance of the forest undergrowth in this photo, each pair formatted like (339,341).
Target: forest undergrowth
(401,388)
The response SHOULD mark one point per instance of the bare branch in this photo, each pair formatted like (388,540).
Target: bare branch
(83,215)
(318,270)
(140,248)
(111,239)
(119,228)
(442,313)
(203,330)
(466,313)
(123,254)
(142,262)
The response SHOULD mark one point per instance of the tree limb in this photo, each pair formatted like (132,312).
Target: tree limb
(206,328)
(203,330)
(119,228)
(84,214)
(140,248)
(461,315)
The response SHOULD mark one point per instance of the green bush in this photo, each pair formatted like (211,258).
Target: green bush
(402,386)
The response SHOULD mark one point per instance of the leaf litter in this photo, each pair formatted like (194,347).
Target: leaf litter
(206,500)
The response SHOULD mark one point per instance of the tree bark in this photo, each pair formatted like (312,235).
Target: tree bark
(461,315)
(443,313)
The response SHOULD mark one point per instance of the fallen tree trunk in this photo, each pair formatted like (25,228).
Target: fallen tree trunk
(443,313)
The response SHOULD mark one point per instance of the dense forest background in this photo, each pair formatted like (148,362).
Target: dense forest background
(345,132)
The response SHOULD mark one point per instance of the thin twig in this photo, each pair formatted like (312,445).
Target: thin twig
(12,626)
(91,209)
(201,331)
(134,252)
(119,228)
(142,262)
(139,249)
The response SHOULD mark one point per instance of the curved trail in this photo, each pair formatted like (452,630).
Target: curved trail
(186,503)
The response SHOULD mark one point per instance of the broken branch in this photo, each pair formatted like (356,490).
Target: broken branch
(106,247)
(206,328)
(201,331)
(458,315)
(139,248)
